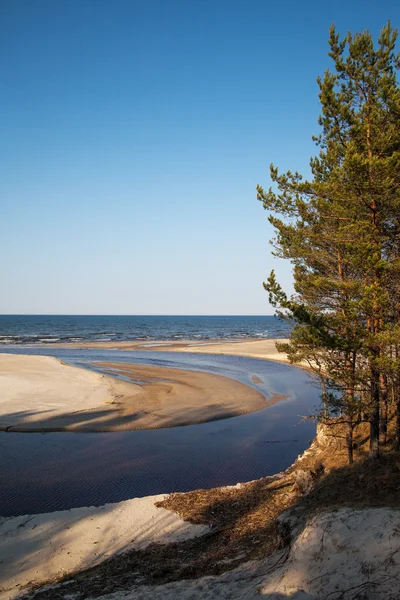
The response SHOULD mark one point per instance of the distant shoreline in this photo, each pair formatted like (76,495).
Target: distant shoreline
(250,347)
(74,342)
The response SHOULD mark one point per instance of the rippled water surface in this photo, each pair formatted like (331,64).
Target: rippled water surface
(41,472)
(49,329)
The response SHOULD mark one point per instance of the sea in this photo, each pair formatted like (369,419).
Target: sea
(40,330)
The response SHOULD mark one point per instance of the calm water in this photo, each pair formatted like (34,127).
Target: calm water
(53,471)
(44,329)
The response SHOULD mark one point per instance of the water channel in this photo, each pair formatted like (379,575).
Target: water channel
(43,472)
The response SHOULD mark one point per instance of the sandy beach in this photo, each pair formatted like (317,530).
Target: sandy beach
(41,393)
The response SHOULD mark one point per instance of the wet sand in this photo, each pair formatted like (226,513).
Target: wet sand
(40,393)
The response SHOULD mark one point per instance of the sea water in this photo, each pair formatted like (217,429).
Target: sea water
(50,329)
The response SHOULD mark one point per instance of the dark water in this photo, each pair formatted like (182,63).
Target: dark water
(53,471)
(50,329)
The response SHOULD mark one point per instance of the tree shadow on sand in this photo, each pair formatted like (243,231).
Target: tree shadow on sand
(102,420)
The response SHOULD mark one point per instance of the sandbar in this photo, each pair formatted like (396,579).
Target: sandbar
(41,393)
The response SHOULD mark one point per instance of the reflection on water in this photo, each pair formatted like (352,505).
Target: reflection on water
(41,472)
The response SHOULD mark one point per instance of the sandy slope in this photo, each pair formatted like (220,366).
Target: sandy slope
(38,548)
(345,554)
(340,555)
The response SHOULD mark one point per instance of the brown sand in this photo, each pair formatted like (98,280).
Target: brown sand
(172,397)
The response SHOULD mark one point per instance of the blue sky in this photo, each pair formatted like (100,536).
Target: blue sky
(133,134)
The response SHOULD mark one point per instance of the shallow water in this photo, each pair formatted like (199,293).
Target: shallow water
(41,472)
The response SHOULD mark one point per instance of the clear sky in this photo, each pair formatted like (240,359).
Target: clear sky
(133,134)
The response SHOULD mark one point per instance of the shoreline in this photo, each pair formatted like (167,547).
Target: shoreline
(192,345)
(264,348)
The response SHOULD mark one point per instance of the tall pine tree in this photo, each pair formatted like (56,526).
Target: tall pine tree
(341,231)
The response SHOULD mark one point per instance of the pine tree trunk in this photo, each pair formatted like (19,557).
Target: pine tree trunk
(384,409)
(325,398)
(350,371)
(396,393)
(374,415)
(397,407)
(349,440)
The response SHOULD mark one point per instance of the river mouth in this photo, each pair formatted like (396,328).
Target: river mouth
(44,472)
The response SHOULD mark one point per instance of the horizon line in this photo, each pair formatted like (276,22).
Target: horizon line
(127,315)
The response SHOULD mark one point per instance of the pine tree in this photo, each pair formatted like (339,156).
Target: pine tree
(341,231)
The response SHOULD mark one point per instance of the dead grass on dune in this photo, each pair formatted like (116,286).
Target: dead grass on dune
(244,519)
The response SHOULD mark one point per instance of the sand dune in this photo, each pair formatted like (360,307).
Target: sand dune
(40,548)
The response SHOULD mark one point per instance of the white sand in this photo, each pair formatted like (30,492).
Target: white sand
(38,548)
(45,387)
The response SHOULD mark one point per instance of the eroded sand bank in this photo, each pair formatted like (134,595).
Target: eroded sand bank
(41,393)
